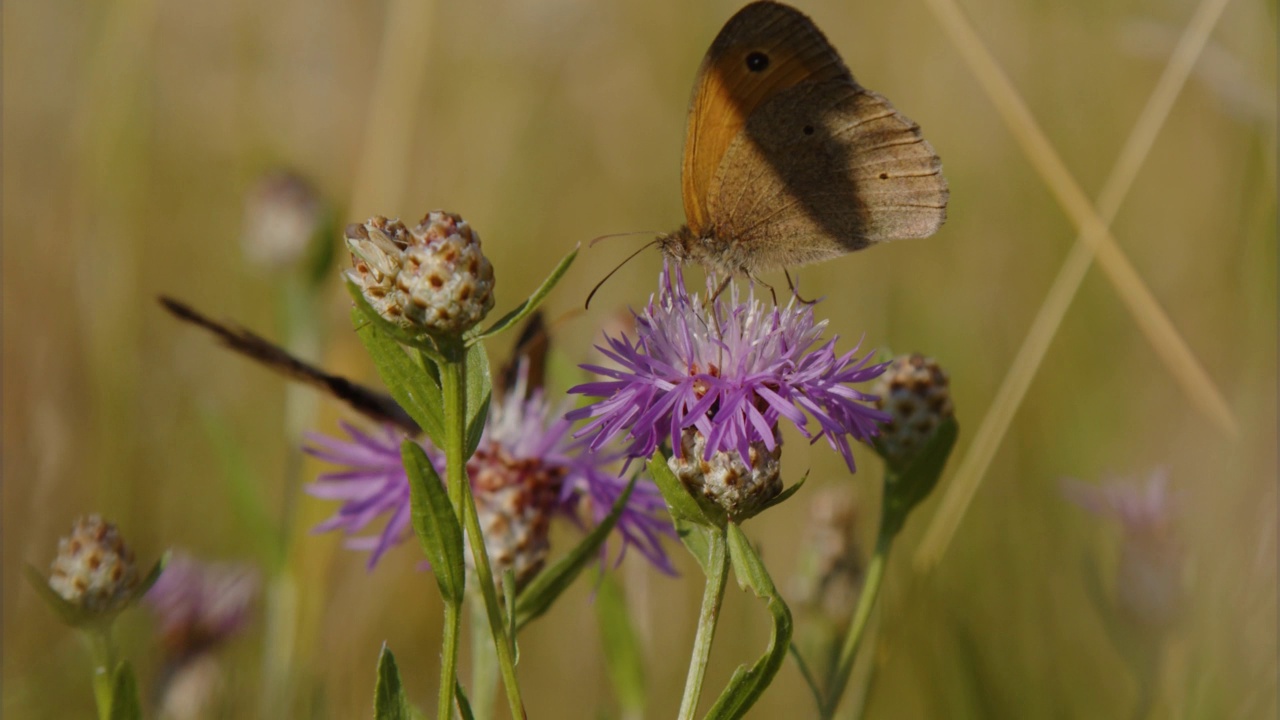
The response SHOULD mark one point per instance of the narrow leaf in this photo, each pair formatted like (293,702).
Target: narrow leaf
(775,500)
(622,653)
(698,540)
(464,705)
(434,522)
(746,686)
(680,502)
(527,307)
(479,392)
(72,615)
(409,383)
(542,591)
(125,704)
(389,700)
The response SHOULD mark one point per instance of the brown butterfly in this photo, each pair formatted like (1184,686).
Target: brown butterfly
(788,160)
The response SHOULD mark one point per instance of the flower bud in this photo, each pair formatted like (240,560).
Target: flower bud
(740,488)
(94,570)
(831,569)
(916,393)
(432,278)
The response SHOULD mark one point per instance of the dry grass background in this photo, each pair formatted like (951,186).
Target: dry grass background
(132,129)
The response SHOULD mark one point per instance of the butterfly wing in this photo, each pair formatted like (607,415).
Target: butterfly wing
(822,169)
(733,82)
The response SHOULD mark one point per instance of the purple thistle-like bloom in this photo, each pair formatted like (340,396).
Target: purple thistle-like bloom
(527,449)
(730,369)
(200,604)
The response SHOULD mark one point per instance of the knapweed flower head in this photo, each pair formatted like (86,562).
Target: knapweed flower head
(831,566)
(201,604)
(1150,575)
(527,470)
(431,278)
(94,569)
(916,394)
(283,218)
(729,369)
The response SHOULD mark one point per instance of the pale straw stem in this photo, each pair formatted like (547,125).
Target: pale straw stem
(1013,389)
(393,108)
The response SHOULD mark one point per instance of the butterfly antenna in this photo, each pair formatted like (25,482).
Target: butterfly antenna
(621,234)
(646,246)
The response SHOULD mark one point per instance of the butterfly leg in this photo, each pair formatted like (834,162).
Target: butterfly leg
(794,291)
(724,284)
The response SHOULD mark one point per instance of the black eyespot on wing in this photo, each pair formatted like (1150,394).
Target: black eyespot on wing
(808,129)
(757,61)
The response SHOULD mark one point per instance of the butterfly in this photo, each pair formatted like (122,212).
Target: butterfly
(788,160)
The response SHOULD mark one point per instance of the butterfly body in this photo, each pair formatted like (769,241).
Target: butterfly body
(788,160)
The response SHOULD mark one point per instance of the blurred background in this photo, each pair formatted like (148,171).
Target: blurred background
(134,133)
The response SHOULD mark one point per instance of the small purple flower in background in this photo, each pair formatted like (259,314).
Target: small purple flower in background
(1149,578)
(199,605)
(731,369)
(526,470)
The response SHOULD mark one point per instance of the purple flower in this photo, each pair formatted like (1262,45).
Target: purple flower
(1149,580)
(731,370)
(200,604)
(526,470)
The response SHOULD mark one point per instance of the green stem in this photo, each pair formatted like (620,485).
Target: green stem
(712,595)
(453,378)
(866,603)
(104,661)
(454,382)
(449,659)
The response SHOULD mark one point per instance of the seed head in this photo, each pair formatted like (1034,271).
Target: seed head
(432,278)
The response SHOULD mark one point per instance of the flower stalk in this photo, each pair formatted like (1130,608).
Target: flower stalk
(453,382)
(843,668)
(717,569)
(102,651)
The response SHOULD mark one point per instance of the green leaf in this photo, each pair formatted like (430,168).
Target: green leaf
(389,700)
(775,500)
(526,308)
(479,392)
(905,487)
(411,384)
(699,541)
(464,705)
(622,652)
(434,522)
(509,598)
(807,674)
(125,704)
(747,685)
(542,591)
(682,504)
(72,615)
